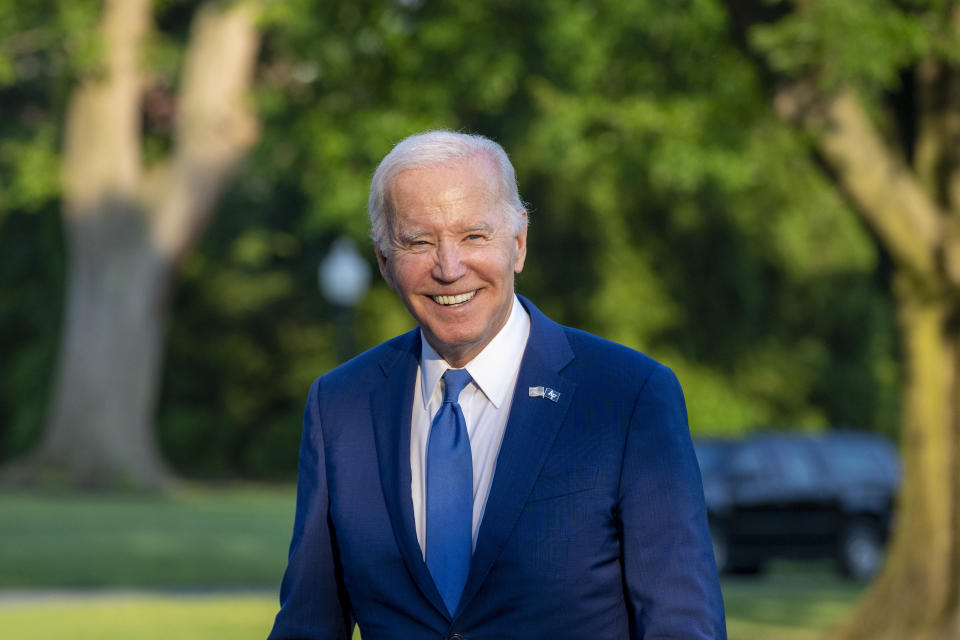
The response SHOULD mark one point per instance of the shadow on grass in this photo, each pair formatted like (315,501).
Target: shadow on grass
(791,601)
(195,538)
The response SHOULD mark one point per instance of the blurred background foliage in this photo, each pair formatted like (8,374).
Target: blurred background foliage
(670,210)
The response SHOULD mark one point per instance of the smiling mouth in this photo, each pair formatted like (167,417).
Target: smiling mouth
(453,301)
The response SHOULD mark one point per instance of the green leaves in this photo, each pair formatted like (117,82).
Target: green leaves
(31,179)
(670,210)
(866,43)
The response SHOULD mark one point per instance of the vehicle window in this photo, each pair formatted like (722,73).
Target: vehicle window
(852,460)
(798,463)
(752,462)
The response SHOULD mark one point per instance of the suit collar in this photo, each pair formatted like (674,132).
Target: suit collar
(547,339)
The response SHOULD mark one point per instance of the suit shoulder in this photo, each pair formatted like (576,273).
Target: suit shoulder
(602,358)
(588,346)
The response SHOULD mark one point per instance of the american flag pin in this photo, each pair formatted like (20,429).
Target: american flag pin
(544,392)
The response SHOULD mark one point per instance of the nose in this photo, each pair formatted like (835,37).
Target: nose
(448,266)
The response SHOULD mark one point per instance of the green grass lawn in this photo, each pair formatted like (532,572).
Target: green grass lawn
(791,601)
(198,542)
(141,617)
(196,538)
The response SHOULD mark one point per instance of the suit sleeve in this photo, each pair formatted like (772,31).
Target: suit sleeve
(669,572)
(313,603)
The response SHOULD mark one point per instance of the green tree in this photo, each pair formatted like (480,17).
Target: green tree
(875,86)
(33,63)
(671,211)
(127,225)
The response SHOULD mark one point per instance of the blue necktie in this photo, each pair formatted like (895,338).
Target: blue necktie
(449,488)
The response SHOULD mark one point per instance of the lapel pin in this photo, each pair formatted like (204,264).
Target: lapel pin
(544,392)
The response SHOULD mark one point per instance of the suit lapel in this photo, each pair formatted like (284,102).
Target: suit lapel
(531,429)
(391,408)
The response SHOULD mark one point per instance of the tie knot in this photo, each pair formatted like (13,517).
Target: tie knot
(454,381)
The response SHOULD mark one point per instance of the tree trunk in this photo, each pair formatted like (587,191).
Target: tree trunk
(907,190)
(100,430)
(126,229)
(918,594)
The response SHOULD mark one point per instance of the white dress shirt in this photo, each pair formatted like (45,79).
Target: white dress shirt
(485,403)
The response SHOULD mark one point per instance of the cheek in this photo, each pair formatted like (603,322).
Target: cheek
(404,273)
(387,271)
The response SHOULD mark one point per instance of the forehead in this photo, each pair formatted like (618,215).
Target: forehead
(460,185)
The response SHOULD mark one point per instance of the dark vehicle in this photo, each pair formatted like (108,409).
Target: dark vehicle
(795,495)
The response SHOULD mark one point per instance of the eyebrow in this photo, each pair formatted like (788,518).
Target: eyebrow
(410,236)
(477,227)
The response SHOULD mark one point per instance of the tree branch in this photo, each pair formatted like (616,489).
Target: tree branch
(928,148)
(101,153)
(936,155)
(937,152)
(215,126)
(884,190)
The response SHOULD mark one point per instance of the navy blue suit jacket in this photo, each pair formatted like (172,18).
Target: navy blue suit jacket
(594,527)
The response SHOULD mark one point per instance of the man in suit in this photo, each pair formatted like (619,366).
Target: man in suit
(491,474)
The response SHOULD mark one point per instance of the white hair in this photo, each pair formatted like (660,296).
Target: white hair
(436,148)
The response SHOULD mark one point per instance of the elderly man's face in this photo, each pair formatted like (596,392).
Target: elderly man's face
(454,255)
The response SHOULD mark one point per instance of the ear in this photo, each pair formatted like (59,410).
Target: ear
(521,240)
(385,267)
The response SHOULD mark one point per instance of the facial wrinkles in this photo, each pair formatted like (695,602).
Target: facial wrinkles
(454,253)
(448,200)
(450,258)
(442,214)
(444,235)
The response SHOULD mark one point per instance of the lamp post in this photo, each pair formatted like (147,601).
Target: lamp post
(344,277)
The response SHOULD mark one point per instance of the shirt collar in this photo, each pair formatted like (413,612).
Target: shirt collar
(491,369)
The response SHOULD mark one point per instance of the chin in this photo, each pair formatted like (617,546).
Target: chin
(455,341)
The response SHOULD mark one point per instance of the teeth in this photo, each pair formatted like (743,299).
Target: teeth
(452,300)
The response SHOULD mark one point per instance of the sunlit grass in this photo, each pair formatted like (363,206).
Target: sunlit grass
(769,608)
(142,617)
(785,605)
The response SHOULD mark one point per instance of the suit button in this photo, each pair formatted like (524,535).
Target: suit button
(455,636)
